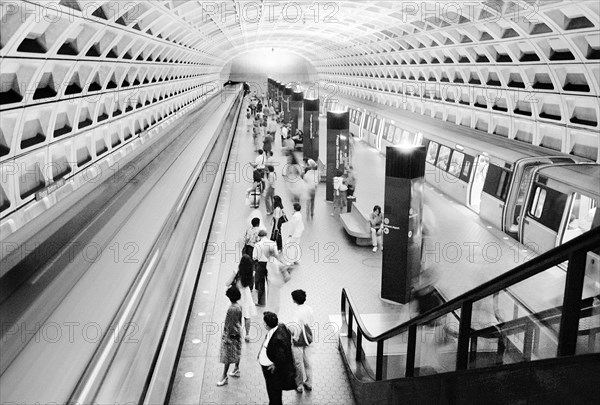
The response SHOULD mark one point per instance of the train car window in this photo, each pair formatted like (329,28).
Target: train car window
(397,136)
(405,137)
(376,123)
(456,163)
(443,158)
(465,175)
(390,133)
(538,202)
(419,140)
(432,150)
(367,122)
(547,206)
(581,216)
(496,182)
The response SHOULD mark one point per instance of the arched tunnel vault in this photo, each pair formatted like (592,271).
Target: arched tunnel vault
(82,79)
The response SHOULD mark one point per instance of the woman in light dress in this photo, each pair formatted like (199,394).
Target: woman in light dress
(276,280)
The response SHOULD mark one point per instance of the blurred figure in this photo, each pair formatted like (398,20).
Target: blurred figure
(350,181)
(270,179)
(424,298)
(339,193)
(311,179)
(293,230)
(276,279)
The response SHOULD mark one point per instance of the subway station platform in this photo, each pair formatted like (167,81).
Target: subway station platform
(463,252)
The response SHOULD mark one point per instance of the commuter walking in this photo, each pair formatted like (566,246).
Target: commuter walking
(243,279)
(251,237)
(311,178)
(279,218)
(339,193)
(268,143)
(271,178)
(302,338)
(278,275)
(260,256)
(376,222)
(293,230)
(231,340)
(276,359)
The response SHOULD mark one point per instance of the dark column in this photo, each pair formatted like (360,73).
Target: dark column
(286,105)
(270,88)
(296,110)
(338,131)
(403,209)
(278,95)
(311,129)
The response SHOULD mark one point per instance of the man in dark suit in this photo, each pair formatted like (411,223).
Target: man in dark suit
(276,359)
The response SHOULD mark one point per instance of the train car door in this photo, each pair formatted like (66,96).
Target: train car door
(544,214)
(521,181)
(495,189)
(364,134)
(481,167)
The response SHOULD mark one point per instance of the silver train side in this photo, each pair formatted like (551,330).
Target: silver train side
(541,198)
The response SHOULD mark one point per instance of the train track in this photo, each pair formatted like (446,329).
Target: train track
(91,322)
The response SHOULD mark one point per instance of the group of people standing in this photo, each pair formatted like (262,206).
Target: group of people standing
(344,185)
(264,267)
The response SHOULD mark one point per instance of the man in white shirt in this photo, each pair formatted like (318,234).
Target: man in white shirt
(276,359)
(302,338)
(284,132)
(261,160)
(293,230)
(260,255)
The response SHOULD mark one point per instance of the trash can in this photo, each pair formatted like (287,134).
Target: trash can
(349,201)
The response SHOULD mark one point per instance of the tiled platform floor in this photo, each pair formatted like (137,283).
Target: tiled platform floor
(330,262)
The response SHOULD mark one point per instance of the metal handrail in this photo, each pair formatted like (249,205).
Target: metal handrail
(574,251)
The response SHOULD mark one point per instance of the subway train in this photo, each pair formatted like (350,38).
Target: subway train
(539,197)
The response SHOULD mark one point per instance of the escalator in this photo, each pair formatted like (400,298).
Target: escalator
(476,349)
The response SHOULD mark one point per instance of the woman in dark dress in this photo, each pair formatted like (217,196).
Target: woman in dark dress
(231,341)
(277,221)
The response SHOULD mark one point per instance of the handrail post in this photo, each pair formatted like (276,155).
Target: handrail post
(411,347)
(464,332)
(528,341)
(569,320)
(350,316)
(379,361)
(358,344)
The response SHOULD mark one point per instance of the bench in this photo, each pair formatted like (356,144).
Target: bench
(357,225)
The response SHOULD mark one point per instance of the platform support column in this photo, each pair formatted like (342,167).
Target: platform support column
(296,110)
(286,104)
(278,96)
(403,209)
(338,130)
(311,129)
